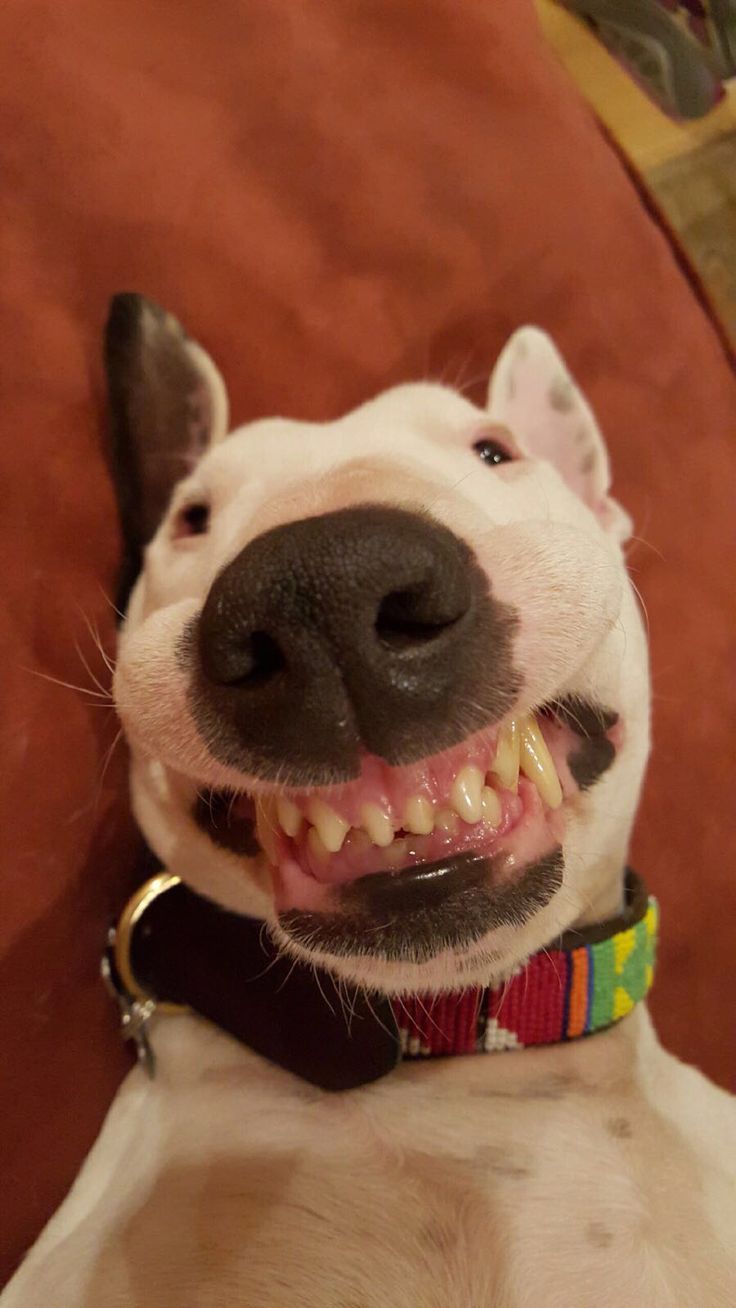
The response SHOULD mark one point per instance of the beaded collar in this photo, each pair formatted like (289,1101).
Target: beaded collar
(173,951)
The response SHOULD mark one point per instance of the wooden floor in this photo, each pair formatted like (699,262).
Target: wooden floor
(690,167)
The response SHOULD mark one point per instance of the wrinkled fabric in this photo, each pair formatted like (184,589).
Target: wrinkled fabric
(333,196)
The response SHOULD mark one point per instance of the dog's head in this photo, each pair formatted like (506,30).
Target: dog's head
(384,679)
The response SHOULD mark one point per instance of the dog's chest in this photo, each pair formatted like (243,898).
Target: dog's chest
(468,1184)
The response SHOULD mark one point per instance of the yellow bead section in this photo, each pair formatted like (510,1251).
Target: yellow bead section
(622,1003)
(623,946)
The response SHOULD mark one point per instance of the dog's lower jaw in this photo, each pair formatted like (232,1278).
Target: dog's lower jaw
(486,962)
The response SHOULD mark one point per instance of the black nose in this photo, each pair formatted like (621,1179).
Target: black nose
(370,628)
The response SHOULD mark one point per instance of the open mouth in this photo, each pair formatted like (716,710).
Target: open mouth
(496,799)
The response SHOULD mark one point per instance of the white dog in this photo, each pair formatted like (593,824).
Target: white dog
(385,685)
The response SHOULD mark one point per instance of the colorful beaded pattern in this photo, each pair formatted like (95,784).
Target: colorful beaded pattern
(560,994)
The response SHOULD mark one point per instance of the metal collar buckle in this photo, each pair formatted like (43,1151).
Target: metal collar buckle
(136,1007)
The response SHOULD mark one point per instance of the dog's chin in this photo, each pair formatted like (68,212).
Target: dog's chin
(445,926)
(396,894)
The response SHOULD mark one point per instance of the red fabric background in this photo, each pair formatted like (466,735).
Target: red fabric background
(333,196)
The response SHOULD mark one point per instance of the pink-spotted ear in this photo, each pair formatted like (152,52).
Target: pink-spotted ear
(532,393)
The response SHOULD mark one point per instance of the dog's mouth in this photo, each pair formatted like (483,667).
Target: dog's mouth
(494,804)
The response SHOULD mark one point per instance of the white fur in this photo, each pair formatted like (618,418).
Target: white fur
(602,1172)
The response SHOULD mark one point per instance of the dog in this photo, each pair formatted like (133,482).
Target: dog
(384,682)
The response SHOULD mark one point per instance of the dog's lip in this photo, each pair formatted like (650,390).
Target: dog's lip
(428,885)
(393,891)
(213,813)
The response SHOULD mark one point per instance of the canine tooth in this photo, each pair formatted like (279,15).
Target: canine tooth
(537,765)
(419,816)
(378,825)
(505,765)
(491,805)
(265,812)
(332,828)
(465,794)
(317,846)
(290,819)
(446,820)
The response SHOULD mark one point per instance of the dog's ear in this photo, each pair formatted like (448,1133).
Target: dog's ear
(532,393)
(167,404)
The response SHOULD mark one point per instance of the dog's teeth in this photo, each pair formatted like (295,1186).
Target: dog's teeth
(446,821)
(465,796)
(290,819)
(317,846)
(491,806)
(536,763)
(505,766)
(332,829)
(378,825)
(265,813)
(419,816)
(397,854)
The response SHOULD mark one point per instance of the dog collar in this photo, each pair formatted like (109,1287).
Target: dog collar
(173,950)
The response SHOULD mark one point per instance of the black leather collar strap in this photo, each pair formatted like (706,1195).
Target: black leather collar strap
(177,948)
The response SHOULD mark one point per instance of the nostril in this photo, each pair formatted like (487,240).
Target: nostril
(411,617)
(253,660)
(266,659)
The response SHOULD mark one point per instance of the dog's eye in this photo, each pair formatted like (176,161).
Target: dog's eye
(192,520)
(492,452)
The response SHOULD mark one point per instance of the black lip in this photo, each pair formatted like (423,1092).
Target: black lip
(212,813)
(594,753)
(412,915)
(436,882)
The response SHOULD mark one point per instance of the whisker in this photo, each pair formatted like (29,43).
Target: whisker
(289,974)
(106,764)
(374,1014)
(107,600)
(69,685)
(418,999)
(448,490)
(103,690)
(642,601)
(315,970)
(95,634)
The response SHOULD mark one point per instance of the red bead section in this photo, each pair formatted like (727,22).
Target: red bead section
(532,1004)
(531,1008)
(439,1024)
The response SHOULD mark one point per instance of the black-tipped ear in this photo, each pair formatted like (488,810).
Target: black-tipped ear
(167,404)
